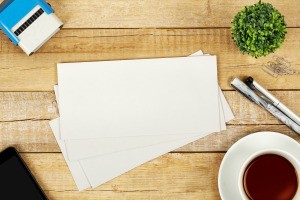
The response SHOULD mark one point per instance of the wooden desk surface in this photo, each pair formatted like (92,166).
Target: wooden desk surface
(123,29)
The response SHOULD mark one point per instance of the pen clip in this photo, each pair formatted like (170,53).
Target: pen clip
(266,99)
(249,82)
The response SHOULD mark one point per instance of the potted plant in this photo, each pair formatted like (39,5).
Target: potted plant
(259,29)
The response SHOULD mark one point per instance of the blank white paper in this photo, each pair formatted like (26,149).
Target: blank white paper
(79,173)
(90,166)
(138,97)
(101,169)
(86,148)
(75,168)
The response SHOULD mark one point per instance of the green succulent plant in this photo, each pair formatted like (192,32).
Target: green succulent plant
(259,29)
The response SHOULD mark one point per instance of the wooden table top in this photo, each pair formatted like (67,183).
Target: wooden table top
(123,29)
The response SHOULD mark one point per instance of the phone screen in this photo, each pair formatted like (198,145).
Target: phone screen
(16,182)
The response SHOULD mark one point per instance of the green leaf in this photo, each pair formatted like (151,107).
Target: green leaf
(259,29)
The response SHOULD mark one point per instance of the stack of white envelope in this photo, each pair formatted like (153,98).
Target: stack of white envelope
(117,115)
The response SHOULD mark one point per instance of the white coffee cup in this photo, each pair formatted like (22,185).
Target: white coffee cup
(294,161)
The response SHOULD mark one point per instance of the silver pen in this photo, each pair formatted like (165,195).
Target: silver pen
(254,85)
(241,87)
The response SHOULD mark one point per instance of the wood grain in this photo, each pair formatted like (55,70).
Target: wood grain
(222,141)
(38,72)
(25,115)
(36,136)
(33,106)
(27,106)
(172,176)
(145,195)
(160,14)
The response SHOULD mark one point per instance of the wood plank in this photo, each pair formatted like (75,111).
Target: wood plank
(25,115)
(249,113)
(27,106)
(156,13)
(34,106)
(222,141)
(160,14)
(37,137)
(38,72)
(72,195)
(169,177)
(28,136)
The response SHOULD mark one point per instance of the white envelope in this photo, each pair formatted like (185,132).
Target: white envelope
(82,149)
(138,97)
(88,165)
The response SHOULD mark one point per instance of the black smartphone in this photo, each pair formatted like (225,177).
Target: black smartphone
(16,181)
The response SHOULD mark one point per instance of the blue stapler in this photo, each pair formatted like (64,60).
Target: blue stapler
(28,23)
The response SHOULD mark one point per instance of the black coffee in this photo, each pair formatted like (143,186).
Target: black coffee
(270,177)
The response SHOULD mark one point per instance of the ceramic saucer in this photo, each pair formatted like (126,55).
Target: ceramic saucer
(239,152)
